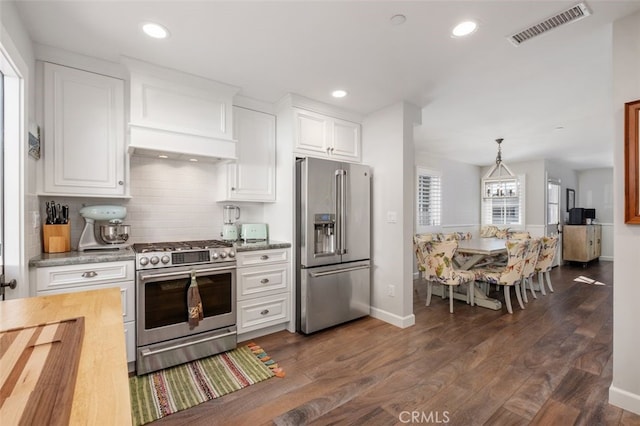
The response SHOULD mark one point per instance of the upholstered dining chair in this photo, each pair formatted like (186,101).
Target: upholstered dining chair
(519,235)
(545,261)
(529,270)
(436,258)
(509,275)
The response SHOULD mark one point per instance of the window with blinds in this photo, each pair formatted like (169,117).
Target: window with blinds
(503,201)
(429,198)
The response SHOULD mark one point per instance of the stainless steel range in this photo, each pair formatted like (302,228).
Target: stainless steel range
(163,276)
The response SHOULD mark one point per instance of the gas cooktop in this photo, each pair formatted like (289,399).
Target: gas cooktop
(180,245)
(182,253)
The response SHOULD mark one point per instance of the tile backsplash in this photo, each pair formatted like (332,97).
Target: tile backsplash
(171,201)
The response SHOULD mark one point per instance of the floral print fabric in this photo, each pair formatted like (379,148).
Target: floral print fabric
(438,263)
(531,259)
(511,274)
(547,253)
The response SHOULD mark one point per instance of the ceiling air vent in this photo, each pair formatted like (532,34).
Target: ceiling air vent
(573,14)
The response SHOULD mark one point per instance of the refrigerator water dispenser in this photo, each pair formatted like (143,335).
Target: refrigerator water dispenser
(324,234)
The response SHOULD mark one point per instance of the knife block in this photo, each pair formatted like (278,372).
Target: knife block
(56,238)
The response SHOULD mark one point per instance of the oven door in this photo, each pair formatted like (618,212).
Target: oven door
(162,302)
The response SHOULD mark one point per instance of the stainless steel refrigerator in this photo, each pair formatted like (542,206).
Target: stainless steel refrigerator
(333,235)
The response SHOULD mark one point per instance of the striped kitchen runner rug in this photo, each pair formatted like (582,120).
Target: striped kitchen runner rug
(165,392)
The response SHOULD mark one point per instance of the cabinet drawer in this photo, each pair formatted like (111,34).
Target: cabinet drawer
(254,314)
(262,280)
(71,276)
(262,257)
(127,294)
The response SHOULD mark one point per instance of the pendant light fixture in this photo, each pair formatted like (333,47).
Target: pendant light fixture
(497,168)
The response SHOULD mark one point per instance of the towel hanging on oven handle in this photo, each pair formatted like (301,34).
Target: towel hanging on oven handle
(194,302)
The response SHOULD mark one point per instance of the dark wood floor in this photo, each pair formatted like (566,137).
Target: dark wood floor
(550,364)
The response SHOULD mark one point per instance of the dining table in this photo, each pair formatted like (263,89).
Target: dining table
(477,251)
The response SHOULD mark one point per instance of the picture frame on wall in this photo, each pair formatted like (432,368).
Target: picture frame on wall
(631,163)
(571,199)
(34,141)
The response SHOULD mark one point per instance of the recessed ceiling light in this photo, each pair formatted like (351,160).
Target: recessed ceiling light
(339,93)
(194,160)
(398,19)
(163,156)
(155,30)
(464,28)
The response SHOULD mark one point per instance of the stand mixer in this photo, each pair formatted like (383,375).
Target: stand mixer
(112,235)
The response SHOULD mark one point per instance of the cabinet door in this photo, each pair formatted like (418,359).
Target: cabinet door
(252,176)
(345,141)
(84,151)
(598,240)
(311,132)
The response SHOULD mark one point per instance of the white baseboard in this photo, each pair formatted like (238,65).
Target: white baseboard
(393,319)
(607,258)
(625,400)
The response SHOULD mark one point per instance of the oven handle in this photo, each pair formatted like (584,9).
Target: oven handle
(144,277)
(149,352)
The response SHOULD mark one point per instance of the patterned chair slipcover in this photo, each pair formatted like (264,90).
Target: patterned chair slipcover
(545,261)
(530,261)
(511,274)
(436,259)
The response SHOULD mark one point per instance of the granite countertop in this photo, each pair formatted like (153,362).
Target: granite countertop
(97,256)
(81,257)
(260,245)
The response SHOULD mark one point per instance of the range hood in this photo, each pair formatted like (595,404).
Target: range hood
(157,143)
(178,115)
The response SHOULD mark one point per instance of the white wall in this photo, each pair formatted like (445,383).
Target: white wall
(625,388)
(460,192)
(595,190)
(388,148)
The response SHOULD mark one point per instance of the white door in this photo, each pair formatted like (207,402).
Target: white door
(553,215)
(11,145)
(2,180)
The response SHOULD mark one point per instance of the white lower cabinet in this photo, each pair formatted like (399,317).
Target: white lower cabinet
(93,276)
(264,289)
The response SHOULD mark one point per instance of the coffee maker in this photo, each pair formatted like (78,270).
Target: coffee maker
(230,214)
(108,233)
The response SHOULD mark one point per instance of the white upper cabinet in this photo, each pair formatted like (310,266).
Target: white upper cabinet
(178,113)
(320,135)
(252,176)
(84,134)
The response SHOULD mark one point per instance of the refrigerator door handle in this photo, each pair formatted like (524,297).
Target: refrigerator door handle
(341,213)
(337,271)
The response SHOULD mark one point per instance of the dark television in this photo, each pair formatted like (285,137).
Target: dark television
(576,216)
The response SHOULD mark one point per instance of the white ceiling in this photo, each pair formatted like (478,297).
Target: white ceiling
(471,90)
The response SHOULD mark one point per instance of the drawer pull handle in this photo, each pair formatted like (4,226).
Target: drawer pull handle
(264,280)
(89,274)
(265,312)
(264,257)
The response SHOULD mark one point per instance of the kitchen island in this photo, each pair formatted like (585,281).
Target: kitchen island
(101,394)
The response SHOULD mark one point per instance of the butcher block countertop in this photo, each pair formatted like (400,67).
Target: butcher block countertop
(101,394)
